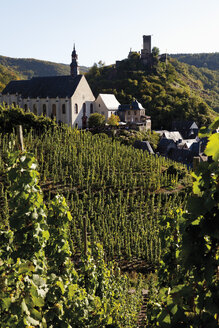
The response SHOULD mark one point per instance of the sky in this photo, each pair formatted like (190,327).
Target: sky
(105,30)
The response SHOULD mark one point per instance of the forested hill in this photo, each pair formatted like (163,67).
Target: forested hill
(206,60)
(6,75)
(167,91)
(28,67)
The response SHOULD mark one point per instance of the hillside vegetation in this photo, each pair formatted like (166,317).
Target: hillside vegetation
(203,81)
(121,190)
(206,60)
(6,75)
(163,89)
(28,67)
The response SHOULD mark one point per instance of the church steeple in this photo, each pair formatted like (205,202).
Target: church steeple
(74,68)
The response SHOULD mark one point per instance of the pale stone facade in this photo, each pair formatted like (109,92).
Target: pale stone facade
(68,109)
(106,104)
(67,99)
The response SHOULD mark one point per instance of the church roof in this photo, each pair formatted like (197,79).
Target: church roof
(110,101)
(42,87)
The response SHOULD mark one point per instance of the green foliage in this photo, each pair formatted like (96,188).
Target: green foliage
(6,75)
(27,68)
(162,88)
(113,120)
(96,120)
(39,285)
(155,51)
(111,183)
(128,137)
(11,116)
(208,60)
(189,293)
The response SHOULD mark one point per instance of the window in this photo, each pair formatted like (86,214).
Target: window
(54,110)
(25,107)
(91,108)
(14,104)
(135,112)
(99,105)
(44,109)
(84,109)
(34,109)
(129,112)
(76,108)
(63,109)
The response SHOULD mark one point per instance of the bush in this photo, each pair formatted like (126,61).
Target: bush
(96,120)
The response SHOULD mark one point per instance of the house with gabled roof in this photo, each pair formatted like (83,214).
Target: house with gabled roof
(106,104)
(67,99)
(134,113)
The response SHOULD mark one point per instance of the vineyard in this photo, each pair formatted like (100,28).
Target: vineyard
(72,202)
(121,191)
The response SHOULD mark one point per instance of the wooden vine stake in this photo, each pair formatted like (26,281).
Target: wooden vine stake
(85,235)
(20,137)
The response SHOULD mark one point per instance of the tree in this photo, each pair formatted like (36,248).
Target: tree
(155,51)
(113,120)
(96,120)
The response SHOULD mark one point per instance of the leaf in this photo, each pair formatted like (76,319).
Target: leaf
(6,303)
(36,314)
(212,148)
(31,321)
(61,286)
(24,307)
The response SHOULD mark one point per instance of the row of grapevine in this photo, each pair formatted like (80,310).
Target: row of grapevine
(115,186)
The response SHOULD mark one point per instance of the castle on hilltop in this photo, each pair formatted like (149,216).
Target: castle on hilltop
(145,53)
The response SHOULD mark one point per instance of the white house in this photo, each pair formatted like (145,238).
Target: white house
(106,104)
(68,99)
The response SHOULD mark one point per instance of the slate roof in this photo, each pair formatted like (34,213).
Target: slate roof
(173,135)
(144,145)
(110,101)
(135,105)
(42,87)
(184,125)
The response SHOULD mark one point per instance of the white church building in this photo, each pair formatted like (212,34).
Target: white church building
(67,99)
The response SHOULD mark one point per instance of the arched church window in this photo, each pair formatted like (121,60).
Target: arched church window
(54,110)
(44,109)
(128,112)
(84,109)
(25,107)
(76,108)
(34,109)
(91,108)
(63,109)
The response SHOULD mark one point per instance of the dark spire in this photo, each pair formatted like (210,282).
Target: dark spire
(74,68)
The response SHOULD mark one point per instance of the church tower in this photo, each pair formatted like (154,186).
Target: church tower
(74,68)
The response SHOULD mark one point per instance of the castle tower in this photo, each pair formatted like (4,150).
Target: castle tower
(74,68)
(146,51)
(147,43)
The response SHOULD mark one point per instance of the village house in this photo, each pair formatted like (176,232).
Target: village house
(106,104)
(67,99)
(134,113)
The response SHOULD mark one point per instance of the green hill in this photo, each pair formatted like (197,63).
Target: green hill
(167,91)
(28,67)
(206,60)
